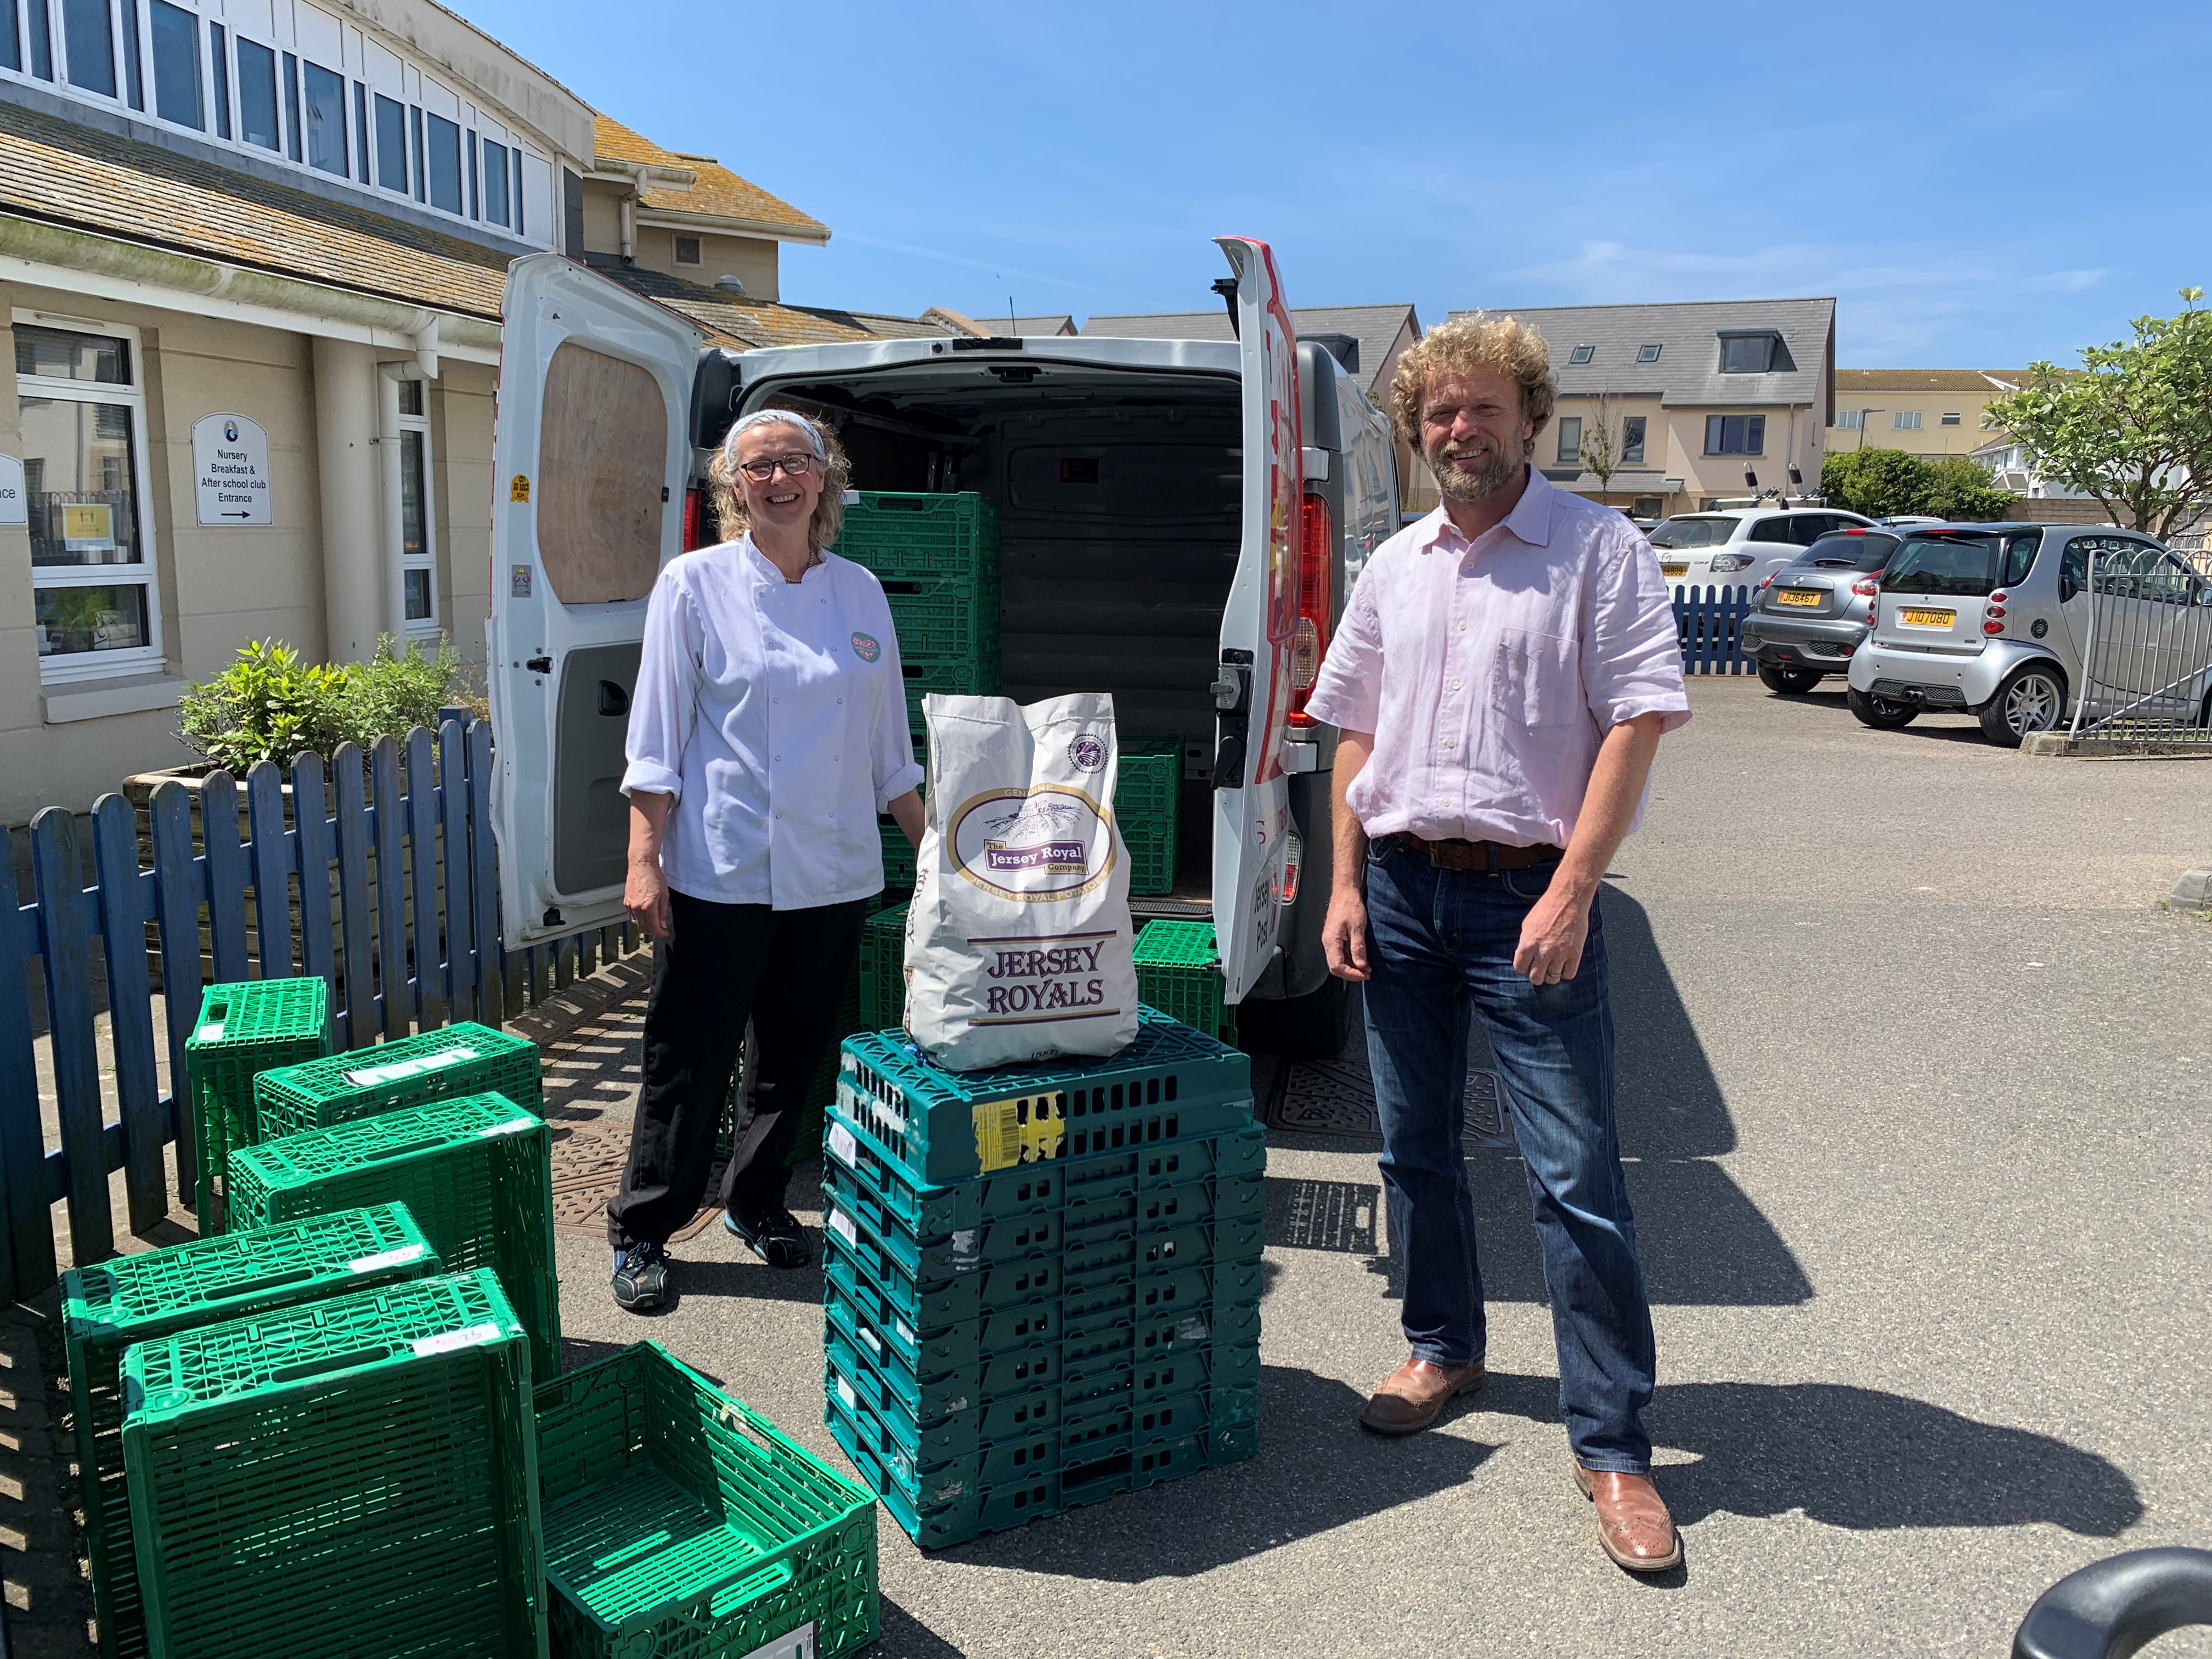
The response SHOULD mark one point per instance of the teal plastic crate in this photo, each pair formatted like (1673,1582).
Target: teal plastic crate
(898,854)
(141,1298)
(244,1028)
(883,970)
(475,1173)
(943,1127)
(680,1521)
(462,1058)
(355,1476)
(1179,973)
(1147,796)
(944,619)
(896,533)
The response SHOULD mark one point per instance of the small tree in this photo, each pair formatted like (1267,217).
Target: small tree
(1601,451)
(2132,427)
(1876,482)
(1960,490)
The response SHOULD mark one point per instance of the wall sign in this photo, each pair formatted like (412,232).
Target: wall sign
(14,509)
(230,470)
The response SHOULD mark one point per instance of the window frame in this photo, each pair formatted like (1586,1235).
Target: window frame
(1649,354)
(1906,420)
(698,248)
(1582,354)
(1632,448)
(431,628)
(1754,434)
(1951,417)
(1571,457)
(1765,343)
(152,657)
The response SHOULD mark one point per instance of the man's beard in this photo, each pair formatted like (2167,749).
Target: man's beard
(1470,481)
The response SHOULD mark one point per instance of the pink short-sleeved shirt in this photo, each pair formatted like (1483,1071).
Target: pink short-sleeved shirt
(1489,671)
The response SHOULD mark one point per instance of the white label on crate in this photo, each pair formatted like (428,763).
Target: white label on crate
(371,1077)
(512,1126)
(1191,1329)
(946,1491)
(905,1331)
(845,1392)
(211,1032)
(965,1245)
(875,1343)
(369,1264)
(842,1224)
(791,1644)
(842,1146)
(471,1336)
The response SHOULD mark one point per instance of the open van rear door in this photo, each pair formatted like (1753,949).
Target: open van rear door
(591,456)
(1251,795)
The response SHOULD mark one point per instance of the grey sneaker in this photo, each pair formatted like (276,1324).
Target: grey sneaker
(776,1238)
(641,1281)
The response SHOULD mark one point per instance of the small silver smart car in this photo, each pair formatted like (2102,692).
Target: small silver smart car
(1810,618)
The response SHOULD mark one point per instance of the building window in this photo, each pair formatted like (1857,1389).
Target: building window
(256,95)
(88,45)
(687,250)
(418,553)
(42,42)
(1950,417)
(1906,420)
(11,42)
(84,487)
(176,65)
(325,120)
(1632,440)
(292,105)
(219,77)
(1648,354)
(391,144)
(1735,434)
(1647,506)
(1571,440)
(1753,354)
(442,164)
(361,162)
(1851,420)
(134,85)
(495,183)
(1580,354)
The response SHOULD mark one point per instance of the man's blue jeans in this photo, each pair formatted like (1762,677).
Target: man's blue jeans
(1440,943)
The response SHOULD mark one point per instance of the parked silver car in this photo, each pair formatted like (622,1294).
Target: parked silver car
(1741,546)
(1992,620)
(1810,618)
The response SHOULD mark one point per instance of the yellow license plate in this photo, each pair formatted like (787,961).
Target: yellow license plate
(1796,596)
(1680,567)
(1918,618)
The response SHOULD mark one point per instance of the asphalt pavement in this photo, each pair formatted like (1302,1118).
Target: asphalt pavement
(1913,1086)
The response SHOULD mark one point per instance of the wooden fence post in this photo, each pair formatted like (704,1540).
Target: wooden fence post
(431,1003)
(28,1265)
(125,907)
(483,881)
(177,886)
(391,992)
(65,941)
(356,1020)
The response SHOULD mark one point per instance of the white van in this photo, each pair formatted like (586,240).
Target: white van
(1181,522)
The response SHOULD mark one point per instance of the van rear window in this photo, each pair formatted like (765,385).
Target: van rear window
(1967,566)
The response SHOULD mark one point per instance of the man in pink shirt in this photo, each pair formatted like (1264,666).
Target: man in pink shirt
(1500,680)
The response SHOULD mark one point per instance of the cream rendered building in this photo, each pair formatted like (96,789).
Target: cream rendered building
(1924,411)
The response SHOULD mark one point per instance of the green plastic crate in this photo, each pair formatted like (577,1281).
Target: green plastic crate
(898,854)
(1179,973)
(821,1088)
(943,1127)
(355,1476)
(896,533)
(680,1523)
(463,1058)
(475,1173)
(244,1028)
(140,1298)
(944,619)
(1147,796)
(883,970)
(965,679)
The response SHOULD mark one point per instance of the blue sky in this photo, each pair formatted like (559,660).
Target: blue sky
(1978,185)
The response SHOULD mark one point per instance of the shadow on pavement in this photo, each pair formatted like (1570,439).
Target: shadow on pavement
(1667,1099)
(1853,1457)
(905,1637)
(1316,1470)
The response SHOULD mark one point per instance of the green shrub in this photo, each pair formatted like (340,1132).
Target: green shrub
(268,705)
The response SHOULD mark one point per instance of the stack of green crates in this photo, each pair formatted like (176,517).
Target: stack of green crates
(477,1174)
(244,1030)
(1042,1285)
(357,1475)
(161,1293)
(1147,789)
(938,559)
(463,1058)
(883,970)
(1179,973)
(681,1522)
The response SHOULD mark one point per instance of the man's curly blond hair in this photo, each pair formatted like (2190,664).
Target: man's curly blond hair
(1505,344)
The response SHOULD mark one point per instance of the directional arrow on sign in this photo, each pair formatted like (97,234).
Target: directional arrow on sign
(238,515)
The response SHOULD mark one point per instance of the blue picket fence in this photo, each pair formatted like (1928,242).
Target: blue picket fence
(1711,622)
(376,874)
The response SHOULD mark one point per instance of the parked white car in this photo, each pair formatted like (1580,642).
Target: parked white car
(1741,547)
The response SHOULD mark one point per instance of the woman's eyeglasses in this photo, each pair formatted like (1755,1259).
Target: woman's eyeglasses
(795,466)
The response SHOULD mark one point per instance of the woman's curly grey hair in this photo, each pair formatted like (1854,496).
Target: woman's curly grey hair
(729,496)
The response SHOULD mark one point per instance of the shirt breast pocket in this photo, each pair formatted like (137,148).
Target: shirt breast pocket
(1536,680)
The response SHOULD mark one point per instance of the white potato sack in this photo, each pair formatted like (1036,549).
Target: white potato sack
(1017,942)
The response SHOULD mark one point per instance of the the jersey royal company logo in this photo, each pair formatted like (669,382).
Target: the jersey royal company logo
(1045,843)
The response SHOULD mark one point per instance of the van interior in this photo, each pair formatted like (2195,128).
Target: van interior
(1118,493)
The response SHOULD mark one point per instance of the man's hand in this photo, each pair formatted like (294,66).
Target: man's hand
(1553,932)
(1344,933)
(645,895)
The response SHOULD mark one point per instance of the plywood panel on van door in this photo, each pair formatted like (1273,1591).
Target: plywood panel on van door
(602,461)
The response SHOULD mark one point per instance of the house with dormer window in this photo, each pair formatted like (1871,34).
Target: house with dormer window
(1679,407)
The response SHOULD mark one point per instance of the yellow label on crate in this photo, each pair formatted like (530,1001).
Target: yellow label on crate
(1026,1130)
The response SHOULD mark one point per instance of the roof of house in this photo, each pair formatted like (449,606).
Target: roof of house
(1375,327)
(732,319)
(712,189)
(1026,326)
(1986,382)
(82,176)
(1688,370)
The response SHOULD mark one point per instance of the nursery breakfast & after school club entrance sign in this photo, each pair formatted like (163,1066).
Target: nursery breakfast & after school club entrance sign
(230,470)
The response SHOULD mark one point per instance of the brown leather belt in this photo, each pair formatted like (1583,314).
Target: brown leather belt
(1484,855)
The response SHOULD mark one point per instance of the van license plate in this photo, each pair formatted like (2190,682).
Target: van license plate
(1917,618)
(1804,596)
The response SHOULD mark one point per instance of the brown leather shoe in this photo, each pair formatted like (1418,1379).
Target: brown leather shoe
(1632,1522)
(1411,1397)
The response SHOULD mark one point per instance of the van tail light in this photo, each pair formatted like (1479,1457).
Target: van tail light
(694,518)
(1310,642)
(1294,852)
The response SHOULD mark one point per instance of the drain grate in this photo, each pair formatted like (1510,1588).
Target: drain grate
(1323,1215)
(587,1169)
(1335,1099)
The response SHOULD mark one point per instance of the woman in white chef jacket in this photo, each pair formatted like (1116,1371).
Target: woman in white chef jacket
(767,730)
